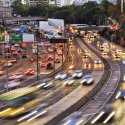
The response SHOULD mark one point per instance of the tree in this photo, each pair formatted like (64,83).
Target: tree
(17,7)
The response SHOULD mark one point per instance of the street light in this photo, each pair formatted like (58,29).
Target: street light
(7,40)
(37,38)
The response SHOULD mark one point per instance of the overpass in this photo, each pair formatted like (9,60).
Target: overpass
(7,19)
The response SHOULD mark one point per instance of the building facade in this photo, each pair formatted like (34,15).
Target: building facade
(61,3)
(34,2)
(5,12)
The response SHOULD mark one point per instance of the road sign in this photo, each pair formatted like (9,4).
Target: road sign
(16,38)
(64,40)
(22,30)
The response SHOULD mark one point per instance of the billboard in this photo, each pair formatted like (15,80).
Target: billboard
(28,37)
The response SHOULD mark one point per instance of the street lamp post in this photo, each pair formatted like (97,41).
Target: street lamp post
(37,61)
(7,40)
(37,56)
(54,52)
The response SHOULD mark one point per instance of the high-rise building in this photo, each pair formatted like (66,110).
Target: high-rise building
(52,2)
(34,2)
(61,3)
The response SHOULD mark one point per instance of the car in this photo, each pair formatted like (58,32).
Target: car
(120,94)
(32,59)
(57,60)
(85,56)
(112,45)
(39,56)
(12,48)
(116,55)
(12,84)
(1,72)
(49,66)
(69,82)
(124,77)
(75,118)
(123,62)
(15,53)
(87,51)
(46,84)
(7,55)
(77,74)
(71,67)
(118,50)
(87,64)
(24,55)
(34,113)
(105,116)
(1,68)
(29,72)
(87,80)
(44,64)
(59,52)
(16,76)
(13,60)
(20,50)
(50,58)
(98,44)
(8,64)
(1,53)
(104,53)
(61,76)
(97,61)
(50,49)
(16,45)
(79,50)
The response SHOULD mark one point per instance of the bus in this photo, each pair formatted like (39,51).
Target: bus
(17,102)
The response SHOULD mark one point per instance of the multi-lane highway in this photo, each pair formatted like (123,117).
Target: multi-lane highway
(95,111)
(97,73)
(59,90)
(64,96)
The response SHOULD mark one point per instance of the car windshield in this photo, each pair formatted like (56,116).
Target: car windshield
(78,71)
(62,73)
(87,76)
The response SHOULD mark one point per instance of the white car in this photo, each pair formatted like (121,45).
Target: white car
(13,84)
(87,51)
(61,76)
(37,111)
(118,50)
(45,85)
(16,76)
(98,61)
(8,64)
(87,79)
(79,50)
(77,74)
(104,53)
(123,62)
(116,55)
(69,82)
(12,48)
(75,118)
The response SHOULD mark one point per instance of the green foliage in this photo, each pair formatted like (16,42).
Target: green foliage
(90,13)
